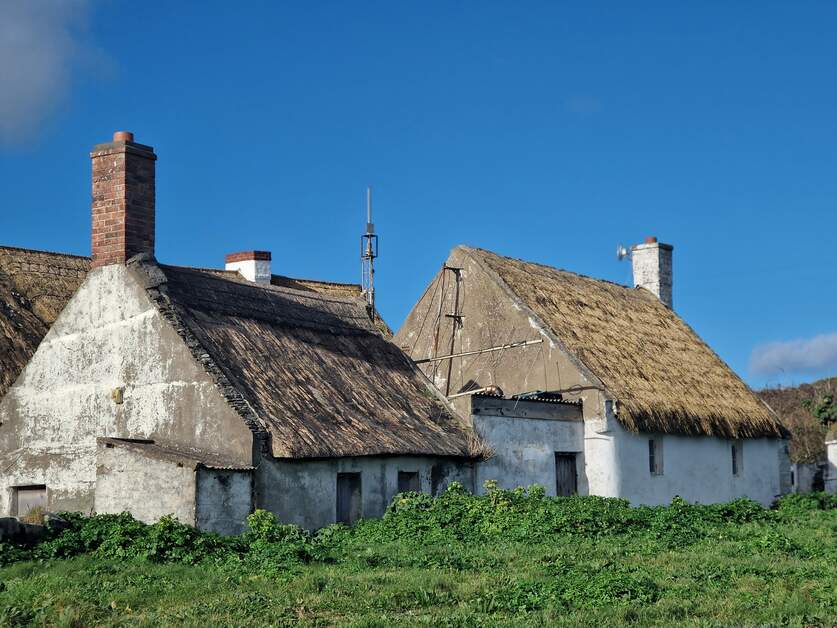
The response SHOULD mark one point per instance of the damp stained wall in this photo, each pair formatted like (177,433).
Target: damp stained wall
(224,499)
(525,436)
(304,492)
(109,342)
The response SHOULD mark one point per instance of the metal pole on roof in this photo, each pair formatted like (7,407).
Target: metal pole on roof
(368,253)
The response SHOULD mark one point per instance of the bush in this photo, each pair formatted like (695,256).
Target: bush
(417,529)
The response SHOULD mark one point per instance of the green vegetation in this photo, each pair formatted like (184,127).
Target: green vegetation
(506,558)
(824,410)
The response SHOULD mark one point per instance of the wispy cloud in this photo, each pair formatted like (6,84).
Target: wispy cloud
(805,355)
(40,46)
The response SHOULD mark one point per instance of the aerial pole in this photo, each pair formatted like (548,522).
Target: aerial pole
(368,253)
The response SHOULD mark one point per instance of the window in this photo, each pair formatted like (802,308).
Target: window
(349,498)
(655,456)
(28,498)
(737,450)
(408,481)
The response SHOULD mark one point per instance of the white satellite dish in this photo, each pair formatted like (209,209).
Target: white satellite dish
(622,252)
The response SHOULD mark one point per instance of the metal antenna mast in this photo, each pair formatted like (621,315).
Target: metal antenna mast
(368,253)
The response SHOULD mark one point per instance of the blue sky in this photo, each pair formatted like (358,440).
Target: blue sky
(548,131)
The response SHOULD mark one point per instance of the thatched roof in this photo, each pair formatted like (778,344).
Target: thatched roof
(308,367)
(663,376)
(34,288)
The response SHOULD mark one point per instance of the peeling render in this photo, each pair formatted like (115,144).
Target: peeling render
(110,336)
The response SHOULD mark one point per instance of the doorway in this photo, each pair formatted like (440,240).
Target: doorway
(566,476)
(349,498)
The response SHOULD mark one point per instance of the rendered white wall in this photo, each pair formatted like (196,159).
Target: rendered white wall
(148,488)
(524,451)
(698,469)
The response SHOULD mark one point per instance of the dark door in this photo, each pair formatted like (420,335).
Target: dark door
(349,500)
(566,479)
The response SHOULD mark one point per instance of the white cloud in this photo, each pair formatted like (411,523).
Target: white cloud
(805,355)
(40,45)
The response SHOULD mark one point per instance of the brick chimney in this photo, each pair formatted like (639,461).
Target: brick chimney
(123,200)
(651,262)
(252,265)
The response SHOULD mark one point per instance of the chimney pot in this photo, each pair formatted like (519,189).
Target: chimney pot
(651,240)
(123,136)
(252,265)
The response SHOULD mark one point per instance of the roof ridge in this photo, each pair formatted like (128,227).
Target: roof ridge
(236,278)
(42,252)
(633,291)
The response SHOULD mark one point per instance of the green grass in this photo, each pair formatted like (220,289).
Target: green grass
(505,559)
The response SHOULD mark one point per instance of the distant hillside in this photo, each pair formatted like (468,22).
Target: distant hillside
(808,436)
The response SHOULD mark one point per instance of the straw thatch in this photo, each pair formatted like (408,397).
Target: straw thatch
(663,376)
(34,288)
(310,367)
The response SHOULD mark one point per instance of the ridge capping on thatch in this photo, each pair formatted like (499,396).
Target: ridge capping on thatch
(663,376)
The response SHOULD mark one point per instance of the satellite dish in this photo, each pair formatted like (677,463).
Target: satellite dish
(622,252)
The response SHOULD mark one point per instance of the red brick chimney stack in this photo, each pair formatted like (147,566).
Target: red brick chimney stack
(123,200)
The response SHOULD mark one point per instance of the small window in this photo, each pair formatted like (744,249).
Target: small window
(29,498)
(349,498)
(737,450)
(408,482)
(655,456)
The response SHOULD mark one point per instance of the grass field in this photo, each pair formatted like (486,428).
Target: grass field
(503,559)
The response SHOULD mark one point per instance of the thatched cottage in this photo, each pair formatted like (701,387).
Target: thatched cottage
(660,413)
(128,384)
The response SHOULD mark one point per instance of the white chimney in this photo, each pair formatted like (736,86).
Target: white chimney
(652,268)
(252,265)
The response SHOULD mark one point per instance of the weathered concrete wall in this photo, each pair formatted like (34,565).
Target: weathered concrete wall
(224,499)
(305,492)
(698,469)
(831,471)
(489,318)
(109,338)
(148,488)
(525,437)
(808,477)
